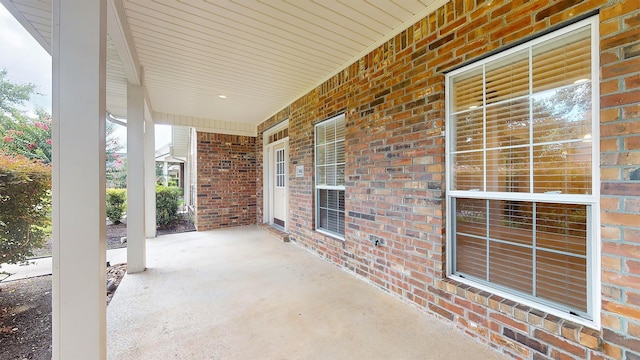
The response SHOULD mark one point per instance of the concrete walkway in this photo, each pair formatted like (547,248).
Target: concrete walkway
(43,266)
(242,294)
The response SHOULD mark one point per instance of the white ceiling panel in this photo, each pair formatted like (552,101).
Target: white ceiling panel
(260,54)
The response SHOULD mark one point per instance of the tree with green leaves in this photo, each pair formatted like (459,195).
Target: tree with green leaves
(25,173)
(21,134)
(25,206)
(116,163)
(12,94)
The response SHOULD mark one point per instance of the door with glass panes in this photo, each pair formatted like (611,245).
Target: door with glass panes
(279,183)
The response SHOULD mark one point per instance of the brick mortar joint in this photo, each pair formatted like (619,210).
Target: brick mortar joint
(507,307)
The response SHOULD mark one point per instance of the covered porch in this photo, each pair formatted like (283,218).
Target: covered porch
(240,293)
(269,85)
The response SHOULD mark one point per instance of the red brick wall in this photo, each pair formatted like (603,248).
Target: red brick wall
(226,180)
(394,104)
(620,176)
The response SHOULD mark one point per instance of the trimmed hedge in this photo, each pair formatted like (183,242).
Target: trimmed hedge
(116,204)
(167,202)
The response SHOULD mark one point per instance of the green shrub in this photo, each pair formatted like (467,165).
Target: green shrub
(167,200)
(25,207)
(116,203)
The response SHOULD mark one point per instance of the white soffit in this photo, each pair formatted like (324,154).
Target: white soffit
(36,17)
(116,82)
(260,54)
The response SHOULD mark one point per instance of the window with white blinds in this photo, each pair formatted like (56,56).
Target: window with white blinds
(521,174)
(329,166)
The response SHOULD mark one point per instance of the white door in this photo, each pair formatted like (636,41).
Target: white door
(279,182)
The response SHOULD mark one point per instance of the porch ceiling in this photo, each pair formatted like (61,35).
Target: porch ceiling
(260,54)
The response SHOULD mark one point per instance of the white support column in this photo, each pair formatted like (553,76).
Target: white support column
(78,183)
(136,240)
(150,170)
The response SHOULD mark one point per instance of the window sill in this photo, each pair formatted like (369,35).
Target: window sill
(570,330)
(330,234)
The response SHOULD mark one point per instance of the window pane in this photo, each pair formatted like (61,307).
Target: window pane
(332,199)
(332,221)
(471,256)
(320,135)
(562,279)
(511,221)
(340,174)
(330,154)
(562,227)
(467,171)
(321,154)
(467,91)
(508,78)
(330,131)
(331,210)
(508,170)
(468,131)
(563,114)
(511,266)
(322,199)
(340,152)
(330,171)
(321,176)
(508,124)
(563,168)
(324,218)
(340,130)
(471,216)
(563,61)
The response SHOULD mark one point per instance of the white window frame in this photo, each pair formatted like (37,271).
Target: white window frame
(339,236)
(593,200)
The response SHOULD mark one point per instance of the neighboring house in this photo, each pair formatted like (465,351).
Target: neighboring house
(483,165)
(175,164)
(169,168)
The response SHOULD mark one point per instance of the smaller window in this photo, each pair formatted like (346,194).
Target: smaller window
(329,166)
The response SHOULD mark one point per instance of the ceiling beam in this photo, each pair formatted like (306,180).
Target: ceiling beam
(118,29)
(206,125)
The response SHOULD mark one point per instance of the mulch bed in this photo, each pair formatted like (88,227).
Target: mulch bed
(25,319)
(25,305)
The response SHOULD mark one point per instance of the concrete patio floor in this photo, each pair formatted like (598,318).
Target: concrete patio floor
(242,294)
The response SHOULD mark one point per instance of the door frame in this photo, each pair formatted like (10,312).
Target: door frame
(268,174)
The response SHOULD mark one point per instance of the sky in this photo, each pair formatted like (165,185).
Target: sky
(27,62)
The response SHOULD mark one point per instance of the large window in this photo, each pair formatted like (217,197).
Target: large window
(522,179)
(329,146)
